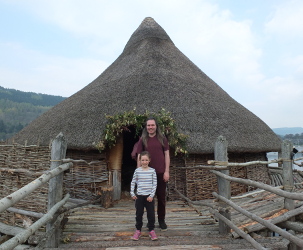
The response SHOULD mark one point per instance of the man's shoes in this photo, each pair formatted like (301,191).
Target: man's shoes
(136,235)
(152,235)
(162,225)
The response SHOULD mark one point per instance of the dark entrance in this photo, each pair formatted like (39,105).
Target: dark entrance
(128,164)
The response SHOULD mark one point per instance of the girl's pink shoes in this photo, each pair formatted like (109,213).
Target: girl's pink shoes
(136,235)
(152,235)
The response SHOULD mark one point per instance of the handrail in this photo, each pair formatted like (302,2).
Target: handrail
(55,193)
(13,198)
(271,226)
(224,193)
(244,235)
(204,167)
(212,209)
(245,164)
(294,196)
(22,237)
(241,164)
(276,220)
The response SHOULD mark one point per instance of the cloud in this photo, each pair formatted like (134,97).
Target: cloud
(33,71)
(205,33)
(296,64)
(285,21)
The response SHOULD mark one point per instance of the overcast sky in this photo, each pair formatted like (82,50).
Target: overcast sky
(252,49)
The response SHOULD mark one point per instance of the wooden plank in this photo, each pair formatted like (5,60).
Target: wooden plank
(105,228)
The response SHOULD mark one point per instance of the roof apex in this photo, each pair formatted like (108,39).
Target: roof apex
(149,28)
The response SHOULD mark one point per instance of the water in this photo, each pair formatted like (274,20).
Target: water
(274,156)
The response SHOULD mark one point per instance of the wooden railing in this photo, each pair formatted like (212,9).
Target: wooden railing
(220,167)
(52,218)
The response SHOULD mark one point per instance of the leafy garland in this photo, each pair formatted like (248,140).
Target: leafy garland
(120,122)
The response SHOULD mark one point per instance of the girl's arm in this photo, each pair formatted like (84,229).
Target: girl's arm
(132,184)
(154,187)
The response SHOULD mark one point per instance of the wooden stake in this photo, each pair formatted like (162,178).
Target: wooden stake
(55,192)
(223,184)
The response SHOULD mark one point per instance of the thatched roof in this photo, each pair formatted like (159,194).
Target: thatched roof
(150,74)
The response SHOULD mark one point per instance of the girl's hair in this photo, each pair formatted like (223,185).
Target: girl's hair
(146,153)
(159,134)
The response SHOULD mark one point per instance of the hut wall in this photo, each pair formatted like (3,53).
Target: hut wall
(198,184)
(83,180)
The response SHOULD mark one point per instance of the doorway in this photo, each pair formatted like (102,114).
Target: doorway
(129,165)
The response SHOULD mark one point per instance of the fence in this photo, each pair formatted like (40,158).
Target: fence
(55,199)
(221,169)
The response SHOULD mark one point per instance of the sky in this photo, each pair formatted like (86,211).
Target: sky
(251,49)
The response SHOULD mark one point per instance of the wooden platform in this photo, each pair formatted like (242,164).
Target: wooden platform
(94,227)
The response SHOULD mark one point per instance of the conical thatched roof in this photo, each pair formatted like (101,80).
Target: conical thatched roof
(150,74)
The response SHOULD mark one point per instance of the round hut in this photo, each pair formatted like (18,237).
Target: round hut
(150,74)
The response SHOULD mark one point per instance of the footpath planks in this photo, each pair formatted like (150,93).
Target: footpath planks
(94,227)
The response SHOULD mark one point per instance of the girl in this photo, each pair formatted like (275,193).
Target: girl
(146,179)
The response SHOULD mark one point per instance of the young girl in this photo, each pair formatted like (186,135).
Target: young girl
(146,179)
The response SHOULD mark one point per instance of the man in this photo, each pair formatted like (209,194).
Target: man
(156,144)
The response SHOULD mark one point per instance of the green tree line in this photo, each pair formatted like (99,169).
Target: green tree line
(29,97)
(296,139)
(18,109)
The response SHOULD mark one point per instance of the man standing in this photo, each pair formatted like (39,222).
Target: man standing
(156,144)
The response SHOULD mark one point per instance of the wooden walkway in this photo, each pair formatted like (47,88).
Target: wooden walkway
(94,227)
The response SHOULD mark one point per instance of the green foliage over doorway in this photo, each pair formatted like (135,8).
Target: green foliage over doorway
(121,122)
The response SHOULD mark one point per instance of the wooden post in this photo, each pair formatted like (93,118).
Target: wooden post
(287,172)
(280,164)
(115,158)
(223,185)
(116,184)
(288,179)
(55,191)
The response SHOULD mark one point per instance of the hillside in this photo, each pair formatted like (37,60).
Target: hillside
(18,109)
(285,131)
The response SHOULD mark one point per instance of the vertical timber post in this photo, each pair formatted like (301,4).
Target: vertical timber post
(288,179)
(55,191)
(117,184)
(115,164)
(223,184)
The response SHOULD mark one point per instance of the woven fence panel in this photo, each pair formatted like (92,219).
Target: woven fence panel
(32,158)
(83,179)
(257,172)
(200,183)
(177,178)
